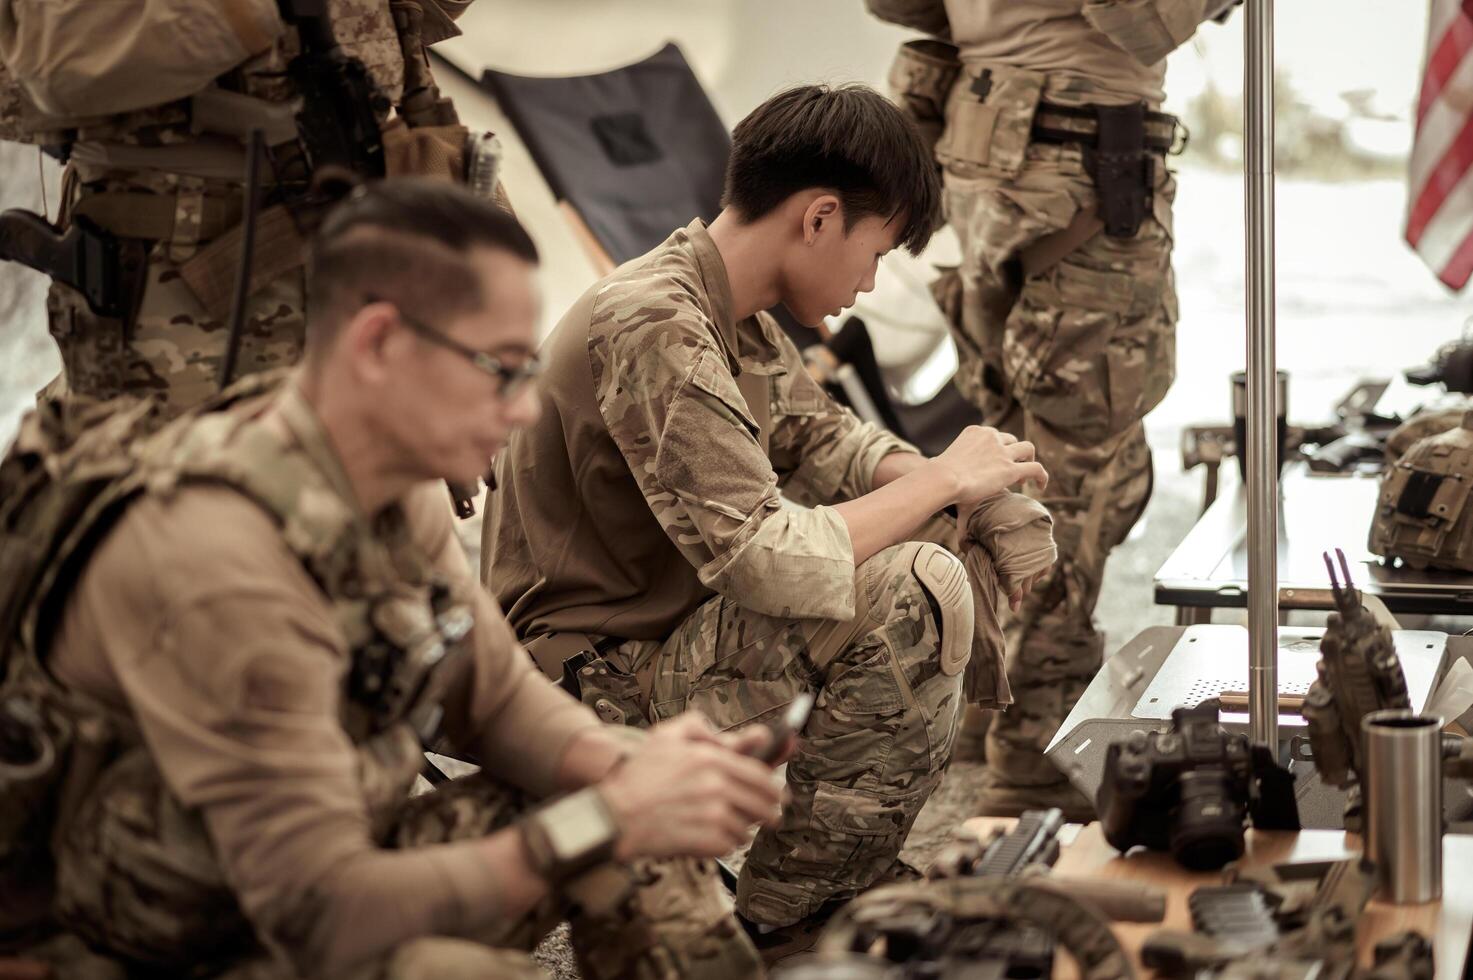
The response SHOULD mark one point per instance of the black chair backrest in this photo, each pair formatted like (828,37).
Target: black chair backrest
(638,151)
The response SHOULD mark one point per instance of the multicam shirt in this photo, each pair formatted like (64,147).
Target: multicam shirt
(649,485)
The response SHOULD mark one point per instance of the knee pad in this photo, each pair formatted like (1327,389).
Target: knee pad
(944,579)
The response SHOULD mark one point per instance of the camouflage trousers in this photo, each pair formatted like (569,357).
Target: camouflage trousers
(874,748)
(175,348)
(1071,358)
(138,876)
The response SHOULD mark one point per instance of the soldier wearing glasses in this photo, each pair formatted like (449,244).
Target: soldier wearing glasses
(273,618)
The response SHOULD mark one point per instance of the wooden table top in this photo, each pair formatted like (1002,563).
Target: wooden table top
(1448,922)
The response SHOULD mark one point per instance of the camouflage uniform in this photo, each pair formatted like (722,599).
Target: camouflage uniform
(1071,352)
(143,175)
(249,810)
(644,508)
(675,923)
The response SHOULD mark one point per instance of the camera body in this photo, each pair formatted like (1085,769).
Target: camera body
(1189,790)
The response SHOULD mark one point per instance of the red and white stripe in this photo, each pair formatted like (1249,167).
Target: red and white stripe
(1439,222)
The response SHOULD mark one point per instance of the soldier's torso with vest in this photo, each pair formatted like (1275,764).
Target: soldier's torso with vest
(65,483)
(155,123)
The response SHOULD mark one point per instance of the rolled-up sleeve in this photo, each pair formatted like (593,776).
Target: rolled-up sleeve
(679,419)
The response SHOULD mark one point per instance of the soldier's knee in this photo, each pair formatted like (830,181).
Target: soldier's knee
(923,581)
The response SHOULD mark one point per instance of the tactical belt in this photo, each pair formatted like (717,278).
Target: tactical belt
(1080,125)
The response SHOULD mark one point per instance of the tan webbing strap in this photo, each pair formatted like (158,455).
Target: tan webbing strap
(757,390)
(152,215)
(644,676)
(211,274)
(1045,253)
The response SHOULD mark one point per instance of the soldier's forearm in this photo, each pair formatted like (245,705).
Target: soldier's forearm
(891,513)
(894,466)
(589,757)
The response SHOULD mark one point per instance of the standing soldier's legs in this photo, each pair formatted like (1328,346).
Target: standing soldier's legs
(1071,358)
(888,687)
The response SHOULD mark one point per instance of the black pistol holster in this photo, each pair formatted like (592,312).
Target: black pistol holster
(107,270)
(1118,143)
(1123,173)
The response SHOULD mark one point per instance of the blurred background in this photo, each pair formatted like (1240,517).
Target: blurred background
(1352,298)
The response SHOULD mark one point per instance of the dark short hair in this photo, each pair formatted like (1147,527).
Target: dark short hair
(405,240)
(850,139)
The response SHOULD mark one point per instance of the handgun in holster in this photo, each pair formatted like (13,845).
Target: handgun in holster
(1123,172)
(106,270)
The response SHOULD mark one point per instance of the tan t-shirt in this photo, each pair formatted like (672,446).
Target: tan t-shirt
(196,619)
(1052,36)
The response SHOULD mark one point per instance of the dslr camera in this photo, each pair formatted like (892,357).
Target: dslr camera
(1188,790)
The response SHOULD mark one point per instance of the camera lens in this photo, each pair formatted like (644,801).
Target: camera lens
(1207,822)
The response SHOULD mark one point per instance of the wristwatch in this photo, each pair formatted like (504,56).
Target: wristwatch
(569,835)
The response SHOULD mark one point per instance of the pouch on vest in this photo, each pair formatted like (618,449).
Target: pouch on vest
(921,79)
(425,151)
(989,119)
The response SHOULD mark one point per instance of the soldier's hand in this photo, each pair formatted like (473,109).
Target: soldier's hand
(1015,599)
(688,792)
(982,462)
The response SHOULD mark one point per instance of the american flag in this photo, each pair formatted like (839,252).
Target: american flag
(1440,180)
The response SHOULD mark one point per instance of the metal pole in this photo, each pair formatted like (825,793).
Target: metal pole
(1258,166)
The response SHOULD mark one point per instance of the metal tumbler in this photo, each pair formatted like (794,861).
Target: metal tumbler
(1403,804)
(1240,419)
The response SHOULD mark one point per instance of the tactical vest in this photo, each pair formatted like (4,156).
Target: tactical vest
(1422,514)
(64,489)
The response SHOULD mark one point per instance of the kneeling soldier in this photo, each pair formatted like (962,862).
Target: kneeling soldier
(638,543)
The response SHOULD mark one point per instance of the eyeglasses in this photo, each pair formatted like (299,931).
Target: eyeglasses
(512,378)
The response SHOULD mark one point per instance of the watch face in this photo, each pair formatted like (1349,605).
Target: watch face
(576,826)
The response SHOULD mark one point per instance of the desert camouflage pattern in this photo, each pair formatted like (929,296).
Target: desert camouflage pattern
(672,403)
(676,497)
(174,351)
(675,922)
(1071,359)
(750,602)
(874,748)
